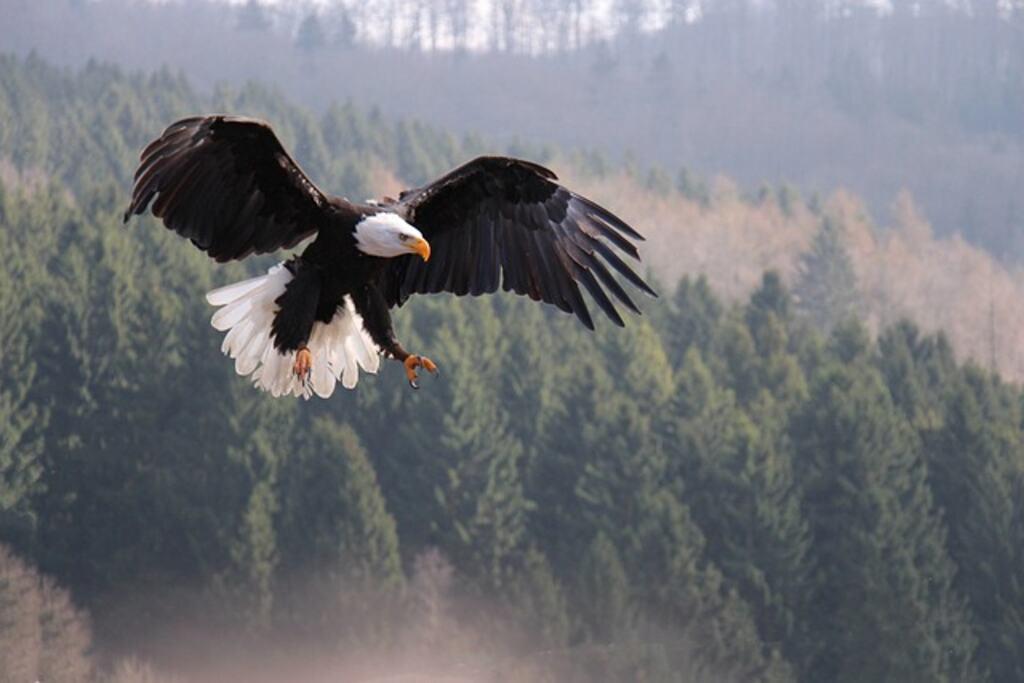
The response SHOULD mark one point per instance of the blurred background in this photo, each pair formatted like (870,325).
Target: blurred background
(804,462)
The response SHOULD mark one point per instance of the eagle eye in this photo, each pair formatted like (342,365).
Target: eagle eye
(402,237)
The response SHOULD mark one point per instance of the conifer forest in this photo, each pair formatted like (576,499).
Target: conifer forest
(803,463)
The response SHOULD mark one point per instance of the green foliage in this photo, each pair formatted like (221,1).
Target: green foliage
(979,448)
(339,564)
(538,600)
(333,516)
(22,420)
(604,592)
(714,493)
(826,289)
(894,613)
(692,320)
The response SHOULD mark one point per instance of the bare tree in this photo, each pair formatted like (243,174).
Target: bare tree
(20,637)
(458,14)
(66,637)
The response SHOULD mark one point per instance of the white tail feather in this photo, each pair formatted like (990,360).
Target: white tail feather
(339,348)
(228,293)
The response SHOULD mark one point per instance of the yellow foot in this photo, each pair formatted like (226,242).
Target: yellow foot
(413,362)
(303,363)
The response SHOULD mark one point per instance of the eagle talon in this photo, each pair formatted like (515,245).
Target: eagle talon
(412,362)
(303,366)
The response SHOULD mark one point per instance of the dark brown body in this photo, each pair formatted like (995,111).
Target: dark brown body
(327,271)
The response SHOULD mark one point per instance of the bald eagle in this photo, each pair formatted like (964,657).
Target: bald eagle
(227,184)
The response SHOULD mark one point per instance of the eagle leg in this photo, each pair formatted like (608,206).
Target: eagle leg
(303,363)
(412,362)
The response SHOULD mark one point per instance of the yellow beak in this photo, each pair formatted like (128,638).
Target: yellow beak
(422,247)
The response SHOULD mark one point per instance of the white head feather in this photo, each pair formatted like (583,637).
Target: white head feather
(387,235)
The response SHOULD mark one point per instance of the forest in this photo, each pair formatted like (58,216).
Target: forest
(748,484)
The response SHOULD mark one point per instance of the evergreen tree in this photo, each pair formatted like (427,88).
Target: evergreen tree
(625,494)
(339,562)
(603,593)
(736,361)
(977,465)
(555,467)
(333,515)
(21,418)
(779,378)
(916,369)
(739,483)
(826,287)
(310,36)
(693,319)
(884,607)
(539,603)
(461,489)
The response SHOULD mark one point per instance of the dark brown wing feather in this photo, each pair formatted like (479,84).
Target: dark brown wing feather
(227,184)
(499,221)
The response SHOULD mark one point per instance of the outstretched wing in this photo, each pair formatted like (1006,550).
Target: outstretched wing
(506,221)
(227,184)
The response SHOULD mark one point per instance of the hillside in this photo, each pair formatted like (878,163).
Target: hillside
(816,94)
(903,270)
(721,491)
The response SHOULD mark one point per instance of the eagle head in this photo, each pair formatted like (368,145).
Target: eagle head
(386,235)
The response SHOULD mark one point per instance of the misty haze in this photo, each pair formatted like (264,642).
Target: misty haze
(803,461)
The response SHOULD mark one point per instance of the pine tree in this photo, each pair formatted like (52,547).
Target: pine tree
(884,607)
(826,287)
(917,371)
(738,480)
(333,515)
(693,319)
(249,582)
(310,36)
(21,418)
(626,462)
(338,546)
(976,468)
(626,494)
(461,489)
(603,593)
(736,361)
(555,465)
(780,381)
(539,603)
